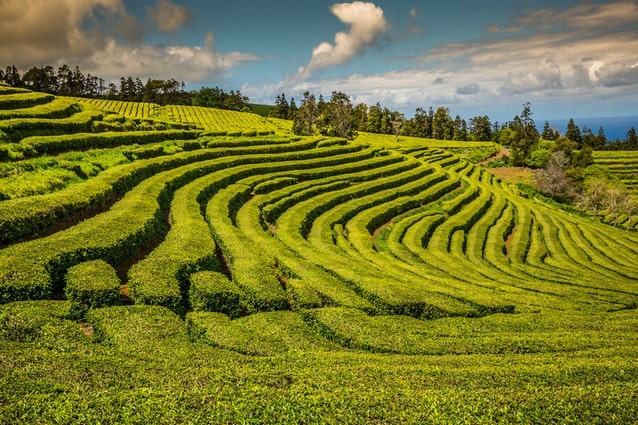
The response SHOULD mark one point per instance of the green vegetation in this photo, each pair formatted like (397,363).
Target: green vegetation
(225,271)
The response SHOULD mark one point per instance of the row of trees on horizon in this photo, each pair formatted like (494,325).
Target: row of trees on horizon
(72,82)
(339,117)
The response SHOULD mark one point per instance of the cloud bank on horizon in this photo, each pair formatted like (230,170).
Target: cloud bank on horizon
(574,54)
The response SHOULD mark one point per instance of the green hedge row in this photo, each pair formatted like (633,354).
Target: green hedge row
(81,141)
(385,293)
(19,128)
(138,329)
(250,269)
(262,334)
(28,217)
(273,184)
(91,284)
(7,89)
(19,100)
(226,143)
(212,291)
(58,108)
(162,277)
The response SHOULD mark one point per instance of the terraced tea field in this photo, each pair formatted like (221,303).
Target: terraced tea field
(623,164)
(216,121)
(278,279)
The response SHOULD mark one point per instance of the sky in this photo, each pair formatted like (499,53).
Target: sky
(568,58)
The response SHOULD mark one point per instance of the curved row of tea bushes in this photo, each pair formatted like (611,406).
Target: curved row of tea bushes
(261,334)
(498,334)
(19,128)
(373,285)
(42,145)
(28,217)
(111,236)
(56,108)
(252,270)
(91,284)
(162,277)
(12,99)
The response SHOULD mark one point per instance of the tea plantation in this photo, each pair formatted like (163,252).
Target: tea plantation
(188,265)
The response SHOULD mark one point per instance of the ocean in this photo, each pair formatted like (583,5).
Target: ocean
(615,127)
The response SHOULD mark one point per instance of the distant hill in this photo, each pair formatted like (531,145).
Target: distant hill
(263,110)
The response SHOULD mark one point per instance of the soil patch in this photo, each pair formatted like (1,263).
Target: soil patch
(501,154)
(514,174)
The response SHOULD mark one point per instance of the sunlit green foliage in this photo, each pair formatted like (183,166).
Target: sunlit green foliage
(298,280)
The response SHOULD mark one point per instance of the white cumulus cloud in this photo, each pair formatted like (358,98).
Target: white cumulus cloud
(366,21)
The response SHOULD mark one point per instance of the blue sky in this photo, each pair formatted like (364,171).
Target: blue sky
(569,58)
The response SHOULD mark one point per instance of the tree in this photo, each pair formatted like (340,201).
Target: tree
(442,124)
(588,139)
(553,181)
(601,140)
(41,79)
(573,133)
(307,115)
(386,121)
(422,125)
(282,108)
(12,76)
(292,110)
(525,138)
(594,196)
(373,123)
(549,133)
(459,129)
(631,141)
(65,80)
(480,128)
(337,118)
(397,124)
(630,208)
(614,202)
(360,116)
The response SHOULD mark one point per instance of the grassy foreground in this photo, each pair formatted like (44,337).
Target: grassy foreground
(147,371)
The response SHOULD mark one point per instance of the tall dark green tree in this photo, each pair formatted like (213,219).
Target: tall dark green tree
(459,129)
(12,76)
(282,108)
(524,138)
(42,79)
(360,116)
(480,128)
(601,139)
(631,141)
(422,124)
(442,124)
(375,115)
(573,133)
(292,110)
(549,133)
